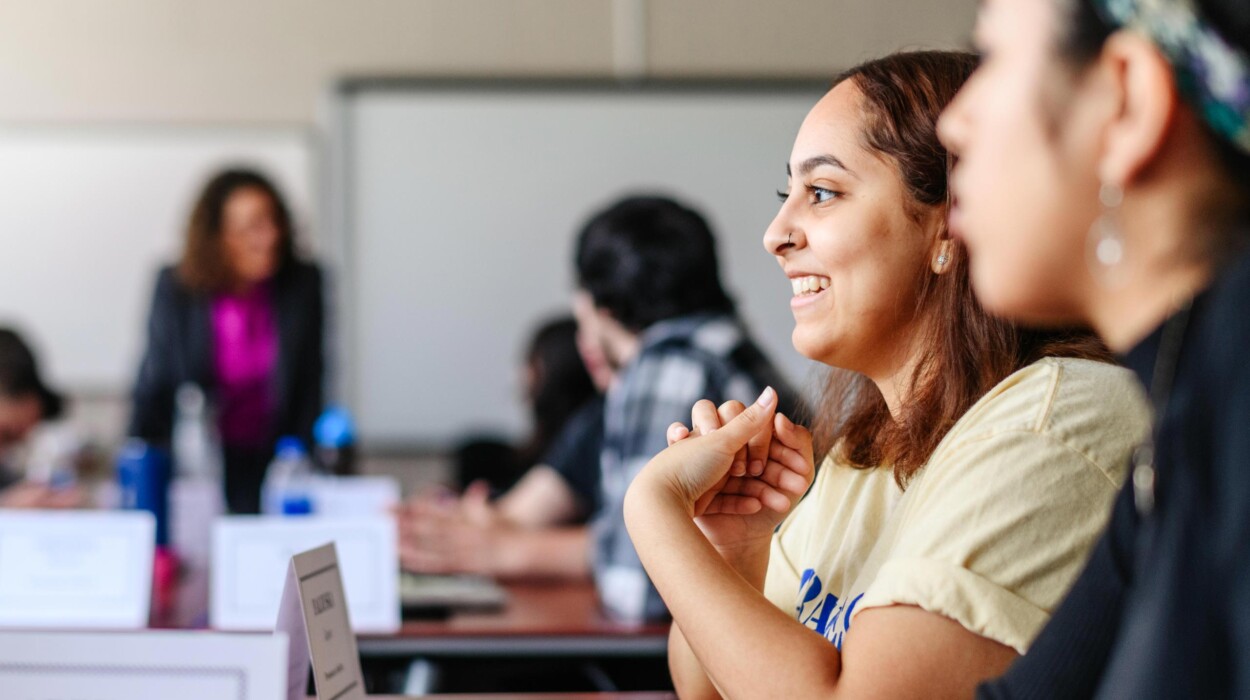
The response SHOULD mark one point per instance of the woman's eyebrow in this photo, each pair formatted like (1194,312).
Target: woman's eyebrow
(814,162)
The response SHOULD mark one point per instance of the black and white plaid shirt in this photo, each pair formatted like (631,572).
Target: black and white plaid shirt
(680,361)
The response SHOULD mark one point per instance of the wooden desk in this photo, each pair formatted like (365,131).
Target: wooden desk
(540,620)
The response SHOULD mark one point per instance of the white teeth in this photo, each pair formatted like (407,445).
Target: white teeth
(808,285)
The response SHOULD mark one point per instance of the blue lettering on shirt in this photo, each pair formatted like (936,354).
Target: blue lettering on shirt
(824,614)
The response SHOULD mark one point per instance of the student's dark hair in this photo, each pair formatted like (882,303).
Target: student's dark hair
(561,383)
(1083,31)
(649,258)
(561,387)
(203,267)
(19,374)
(967,351)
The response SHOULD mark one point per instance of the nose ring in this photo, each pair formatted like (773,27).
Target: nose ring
(789,236)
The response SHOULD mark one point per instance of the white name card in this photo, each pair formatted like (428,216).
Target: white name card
(251,555)
(149,664)
(314,616)
(76,570)
(352,496)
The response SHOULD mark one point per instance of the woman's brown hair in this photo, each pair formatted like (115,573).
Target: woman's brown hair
(967,351)
(203,266)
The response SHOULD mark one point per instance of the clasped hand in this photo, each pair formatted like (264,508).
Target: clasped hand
(737,470)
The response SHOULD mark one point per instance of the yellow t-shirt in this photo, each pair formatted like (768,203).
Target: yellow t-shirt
(991,532)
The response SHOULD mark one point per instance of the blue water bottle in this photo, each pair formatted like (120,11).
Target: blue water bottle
(288,485)
(143,473)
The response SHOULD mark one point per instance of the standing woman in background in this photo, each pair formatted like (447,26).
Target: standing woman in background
(241,316)
(1104,177)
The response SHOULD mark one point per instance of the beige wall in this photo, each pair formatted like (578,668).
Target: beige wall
(269,60)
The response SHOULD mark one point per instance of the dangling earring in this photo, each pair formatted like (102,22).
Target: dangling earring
(1106,240)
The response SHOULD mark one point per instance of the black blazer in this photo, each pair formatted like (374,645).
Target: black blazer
(180,349)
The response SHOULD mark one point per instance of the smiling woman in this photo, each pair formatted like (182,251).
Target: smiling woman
(902,313)
(969,464)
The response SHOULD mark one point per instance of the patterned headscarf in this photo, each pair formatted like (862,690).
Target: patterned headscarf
(1211,72)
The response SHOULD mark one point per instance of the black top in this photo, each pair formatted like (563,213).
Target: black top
(180,349)
(8,477)
(1162,610)
(575,454)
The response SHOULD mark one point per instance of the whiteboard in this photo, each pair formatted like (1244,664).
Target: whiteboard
(457,208)
(88,213)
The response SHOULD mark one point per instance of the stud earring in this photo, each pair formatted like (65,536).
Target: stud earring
(944,257)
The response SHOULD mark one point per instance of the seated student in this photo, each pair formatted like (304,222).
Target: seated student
(25,402)
(968,465)
(1104,177)
(242,317)
(556,386)
(512,535)
(650,295)
(655,322)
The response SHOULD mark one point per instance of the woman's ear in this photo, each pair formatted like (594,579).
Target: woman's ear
(1141,81)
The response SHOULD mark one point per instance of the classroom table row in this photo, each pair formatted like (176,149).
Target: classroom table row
(550,636)
(539,619)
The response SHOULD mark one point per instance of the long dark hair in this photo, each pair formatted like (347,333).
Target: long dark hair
(202,267)
(562,385)
(967,351)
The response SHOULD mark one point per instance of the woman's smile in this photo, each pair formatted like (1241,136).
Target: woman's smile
(807,288)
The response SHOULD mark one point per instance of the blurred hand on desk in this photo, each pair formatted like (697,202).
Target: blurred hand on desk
(440,533)
(32,494)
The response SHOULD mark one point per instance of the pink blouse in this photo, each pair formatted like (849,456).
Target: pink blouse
(245,350)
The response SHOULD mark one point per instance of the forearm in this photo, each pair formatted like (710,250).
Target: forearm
(689,678)
(749,560)
(540,499)
(723,617)
(544,553)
